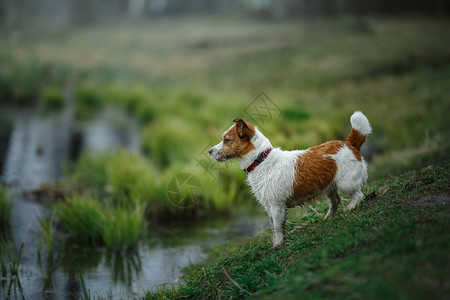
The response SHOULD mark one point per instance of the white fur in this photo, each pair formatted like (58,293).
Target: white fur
(272,182)
(360,123)
(215,151)
(351,173)
(260,142)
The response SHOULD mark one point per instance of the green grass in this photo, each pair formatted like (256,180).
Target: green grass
(84,289)
(21,80)
(89,173)
(88,99)
(5,206)
(115,195)
(167,142)
(47,227)
(80,217)
(122,227)
(128,180)
(88,219)
(114,190)
(389,248)
(52,98)
(11,256)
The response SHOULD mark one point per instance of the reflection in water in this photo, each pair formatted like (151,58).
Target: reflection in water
(75,258)
(40,143)
(48,284)
(37,146)
(126,265)
(10,255)
(111,129)
(14,289)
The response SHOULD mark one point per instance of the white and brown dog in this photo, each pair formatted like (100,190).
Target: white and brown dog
(283,179)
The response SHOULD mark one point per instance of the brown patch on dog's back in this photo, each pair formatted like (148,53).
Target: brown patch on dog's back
(315,170)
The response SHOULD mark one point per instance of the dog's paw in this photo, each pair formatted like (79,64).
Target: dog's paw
(329,214)
(350,207)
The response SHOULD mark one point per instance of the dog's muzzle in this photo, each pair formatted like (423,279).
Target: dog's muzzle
(215,153)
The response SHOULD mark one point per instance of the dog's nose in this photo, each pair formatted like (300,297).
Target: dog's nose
(210,151)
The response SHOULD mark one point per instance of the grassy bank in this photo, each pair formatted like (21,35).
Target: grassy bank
(394,246)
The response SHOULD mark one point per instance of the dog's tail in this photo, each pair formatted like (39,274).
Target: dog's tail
(360,129)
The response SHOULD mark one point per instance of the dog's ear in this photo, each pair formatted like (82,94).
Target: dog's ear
(243,129)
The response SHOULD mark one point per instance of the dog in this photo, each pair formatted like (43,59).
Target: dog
(283,179)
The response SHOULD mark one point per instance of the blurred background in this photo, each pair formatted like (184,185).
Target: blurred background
(108,108)
(65,11)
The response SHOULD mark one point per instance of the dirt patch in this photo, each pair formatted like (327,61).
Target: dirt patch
(429,200)
(46,192)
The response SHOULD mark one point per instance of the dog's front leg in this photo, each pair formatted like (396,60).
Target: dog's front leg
(277,214)
(269,213)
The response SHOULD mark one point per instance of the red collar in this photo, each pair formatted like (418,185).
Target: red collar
(261,157)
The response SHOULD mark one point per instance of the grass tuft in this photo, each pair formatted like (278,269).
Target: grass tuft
(81,217)
(88,219)
(5,206)
(128,180)
(47,227)
(52,98)
(84,289)
(88,99)
(123,227)
(11,256)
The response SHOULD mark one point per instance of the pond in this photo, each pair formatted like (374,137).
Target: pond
(33,148)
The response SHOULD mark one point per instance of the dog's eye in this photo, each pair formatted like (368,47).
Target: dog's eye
(225,140)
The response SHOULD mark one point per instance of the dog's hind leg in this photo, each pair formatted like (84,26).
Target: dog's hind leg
(278,217)
(356,199)
(335,199)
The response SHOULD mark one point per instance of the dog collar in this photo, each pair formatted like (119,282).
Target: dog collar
(261,157)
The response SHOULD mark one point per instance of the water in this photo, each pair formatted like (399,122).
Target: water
(158,260)
(35,145)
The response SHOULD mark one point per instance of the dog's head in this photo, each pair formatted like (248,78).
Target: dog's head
(236,142)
